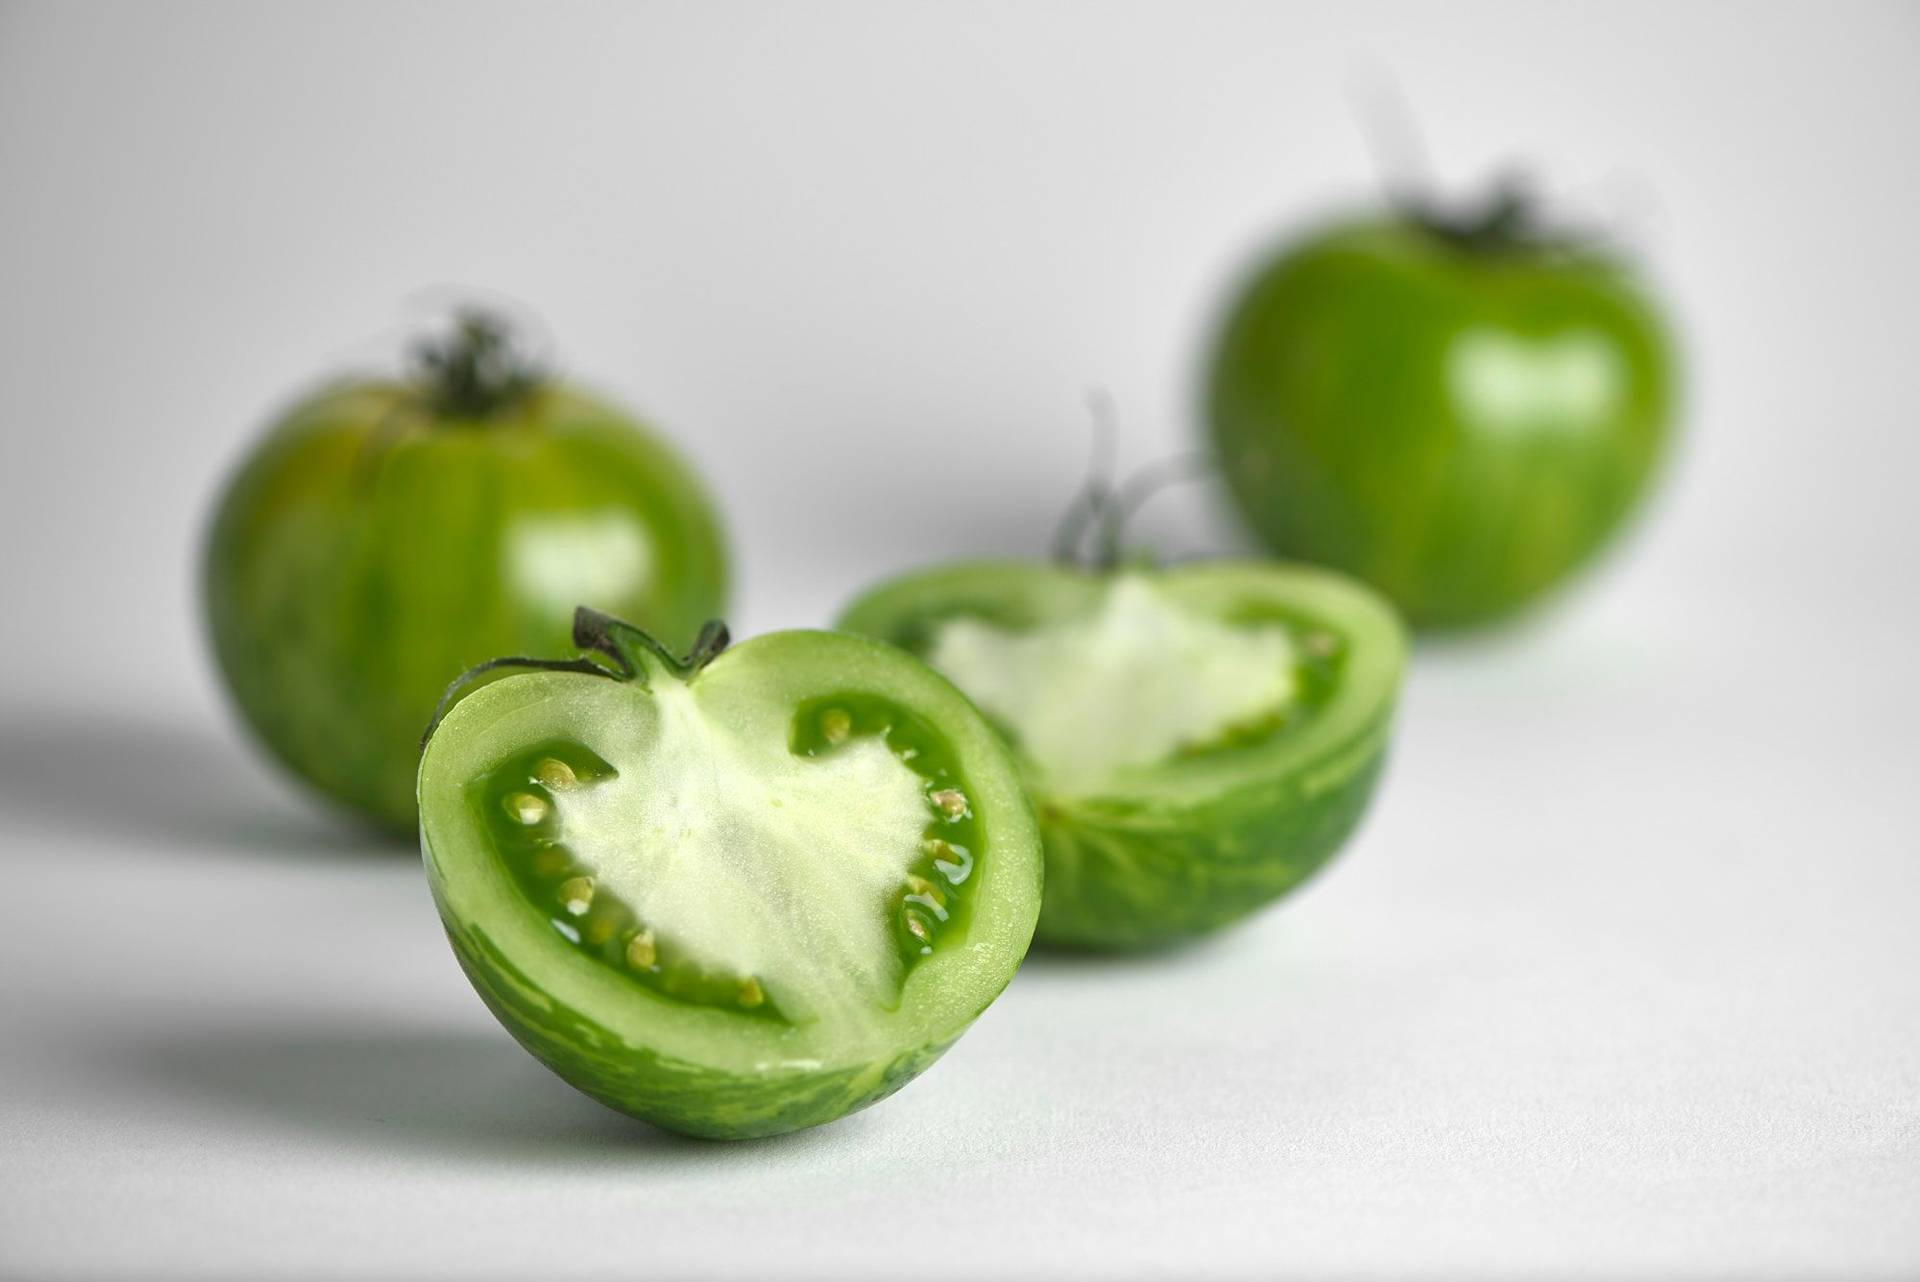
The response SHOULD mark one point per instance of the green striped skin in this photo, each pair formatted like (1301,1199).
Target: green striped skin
(1170,850)
(1128,873)
(694,1066)
(1461,426)
(678,1094)
(366,553)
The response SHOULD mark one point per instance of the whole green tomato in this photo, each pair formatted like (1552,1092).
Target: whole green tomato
(1460,411)
(386,536)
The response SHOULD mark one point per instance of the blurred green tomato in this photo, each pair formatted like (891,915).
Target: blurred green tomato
(1460,412)
(386,536)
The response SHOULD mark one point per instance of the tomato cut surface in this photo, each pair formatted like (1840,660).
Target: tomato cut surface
(1196,741)
(737,899)
(1132,682)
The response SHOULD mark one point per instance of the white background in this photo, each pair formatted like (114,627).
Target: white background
(1622,976)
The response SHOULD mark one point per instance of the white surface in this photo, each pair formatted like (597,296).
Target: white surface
(1622,976)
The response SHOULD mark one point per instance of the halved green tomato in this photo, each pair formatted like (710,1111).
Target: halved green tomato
(733,896)
(1197,741)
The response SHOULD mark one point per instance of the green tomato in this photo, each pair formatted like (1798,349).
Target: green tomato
(732,896)
(1461,414)
(1196,741)
(385,537)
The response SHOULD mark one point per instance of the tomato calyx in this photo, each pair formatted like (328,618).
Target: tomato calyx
(476,372)
(634,651)
(1508,218)
(627,653)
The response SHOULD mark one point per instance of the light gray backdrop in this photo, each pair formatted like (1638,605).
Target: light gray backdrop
(1622,976)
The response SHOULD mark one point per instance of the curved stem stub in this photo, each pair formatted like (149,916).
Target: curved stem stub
(1091,530)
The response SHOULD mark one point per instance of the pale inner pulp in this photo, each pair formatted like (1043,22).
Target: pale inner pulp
(1130,683)
(750,859)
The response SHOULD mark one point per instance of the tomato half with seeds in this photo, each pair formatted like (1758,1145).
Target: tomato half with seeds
(1462,410)
(1197,741)
(386,536)
(733,895)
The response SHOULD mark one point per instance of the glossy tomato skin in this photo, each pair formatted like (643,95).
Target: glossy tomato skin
(1461,424)
(369,550)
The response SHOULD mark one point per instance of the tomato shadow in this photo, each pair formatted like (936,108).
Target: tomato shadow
(388,1091)
(150,782)
(1200,952)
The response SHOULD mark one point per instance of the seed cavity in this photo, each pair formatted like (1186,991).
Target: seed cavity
(551,862)
(932,903)
(955,863)
(835,725)
(751,994)
(641,954)
(951,802)
(556,774)
(527,808)
(576,895)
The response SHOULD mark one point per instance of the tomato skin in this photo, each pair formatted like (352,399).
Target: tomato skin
(1125,877)
(367,552)
(1462,426)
